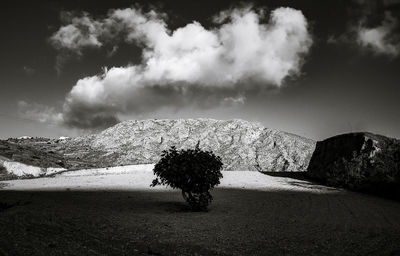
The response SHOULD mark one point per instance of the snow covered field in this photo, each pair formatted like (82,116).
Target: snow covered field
(139,177)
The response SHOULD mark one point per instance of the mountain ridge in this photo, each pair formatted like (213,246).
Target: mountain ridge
(242,145)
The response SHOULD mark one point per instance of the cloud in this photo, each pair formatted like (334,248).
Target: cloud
(374,28)
(112,51)
(39,112)
(81,32)
(380,39)
(234,100)
(186,66)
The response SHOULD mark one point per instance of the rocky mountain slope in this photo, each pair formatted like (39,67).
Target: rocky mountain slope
(242,145)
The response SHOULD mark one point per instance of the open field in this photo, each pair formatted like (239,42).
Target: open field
(139,177)
(94,212)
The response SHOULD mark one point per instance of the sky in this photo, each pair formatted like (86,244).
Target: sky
(313,68)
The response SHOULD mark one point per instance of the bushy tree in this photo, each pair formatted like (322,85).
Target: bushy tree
(194,171)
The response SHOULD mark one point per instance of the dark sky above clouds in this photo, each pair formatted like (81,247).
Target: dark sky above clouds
(314,68)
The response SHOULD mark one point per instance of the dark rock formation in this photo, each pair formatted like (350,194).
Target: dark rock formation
(358,161)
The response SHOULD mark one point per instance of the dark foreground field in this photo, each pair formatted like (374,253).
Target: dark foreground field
(240,222)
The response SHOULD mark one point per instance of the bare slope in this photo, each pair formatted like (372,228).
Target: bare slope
(242,145)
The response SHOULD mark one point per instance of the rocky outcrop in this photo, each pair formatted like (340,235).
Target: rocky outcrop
(359,161)
(242,145)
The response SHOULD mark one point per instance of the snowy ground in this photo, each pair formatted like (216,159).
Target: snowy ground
(139,177)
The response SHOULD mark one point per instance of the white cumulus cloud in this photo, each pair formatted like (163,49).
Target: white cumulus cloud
(189,65)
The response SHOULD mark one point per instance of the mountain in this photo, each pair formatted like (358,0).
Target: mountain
(242,145)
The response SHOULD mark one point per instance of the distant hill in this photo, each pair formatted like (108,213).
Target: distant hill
(242,145)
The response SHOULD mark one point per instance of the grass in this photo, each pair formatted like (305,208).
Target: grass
(240,222)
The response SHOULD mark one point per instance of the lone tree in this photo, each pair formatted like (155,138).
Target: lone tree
(194,171)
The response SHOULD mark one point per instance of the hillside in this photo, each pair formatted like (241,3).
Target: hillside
(242,145)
